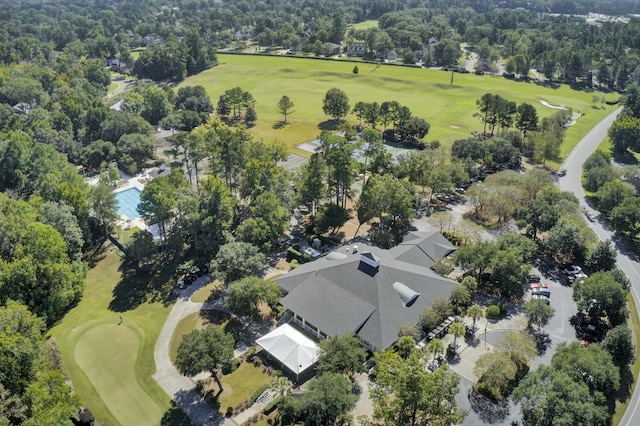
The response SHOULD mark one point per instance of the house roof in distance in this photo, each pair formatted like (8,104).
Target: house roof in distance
(351,294)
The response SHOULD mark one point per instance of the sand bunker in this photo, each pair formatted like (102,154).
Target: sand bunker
(547,104)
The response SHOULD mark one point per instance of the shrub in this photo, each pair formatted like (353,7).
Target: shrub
(268,409)
(493,312)
(501,305)
(258,392)
(229,412)
(489,391)
(294,263)
(230,367)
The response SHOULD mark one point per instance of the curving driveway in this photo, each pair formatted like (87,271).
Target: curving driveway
(626,260)
(181,389)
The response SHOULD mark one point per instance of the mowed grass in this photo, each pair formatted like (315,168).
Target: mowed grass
(428,93)
(185,326)
(111,365)
(365,25)
(100,350)
(241,384)
(621,407)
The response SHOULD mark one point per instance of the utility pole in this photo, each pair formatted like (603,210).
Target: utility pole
(452,72)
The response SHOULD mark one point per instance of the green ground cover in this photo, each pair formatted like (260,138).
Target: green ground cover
(113,86)
(185,326)
(428,93)
(365,25)
(135,53)
(110,364)
(241,384)
(635,367)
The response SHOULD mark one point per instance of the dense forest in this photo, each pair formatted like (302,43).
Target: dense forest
(182,35)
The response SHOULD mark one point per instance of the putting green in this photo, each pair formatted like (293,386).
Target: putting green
(111,370)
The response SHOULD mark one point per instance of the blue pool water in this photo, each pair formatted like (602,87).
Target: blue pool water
(128,201)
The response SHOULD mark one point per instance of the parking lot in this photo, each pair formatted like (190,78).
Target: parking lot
(558,330)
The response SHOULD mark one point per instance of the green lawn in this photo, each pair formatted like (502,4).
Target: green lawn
(135,53)
(241,384)
(113,86)
(365,25)
(110,364)
(185,326)
(635,367)
(203,293)
(428,93)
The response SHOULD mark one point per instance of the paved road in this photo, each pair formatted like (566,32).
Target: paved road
(626,260)
(180,388)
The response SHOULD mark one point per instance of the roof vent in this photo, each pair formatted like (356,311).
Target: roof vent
(370,259)
(405,294)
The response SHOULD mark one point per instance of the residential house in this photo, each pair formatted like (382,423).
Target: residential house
(367,290)
(357,49)
(23,108)
(245,33)
(335,48)
(391,56)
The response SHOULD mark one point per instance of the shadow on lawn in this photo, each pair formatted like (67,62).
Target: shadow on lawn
(174,416)
(329,125)
(139,286)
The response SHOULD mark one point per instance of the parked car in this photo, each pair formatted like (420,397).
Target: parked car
(571,269)
(542,297)
(591,217)
(181,284)
(540,289)
(533,278)
(576,277)
(562,172)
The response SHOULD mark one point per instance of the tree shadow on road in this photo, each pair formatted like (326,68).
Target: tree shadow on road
(626,389)
(542,339)
(489,411)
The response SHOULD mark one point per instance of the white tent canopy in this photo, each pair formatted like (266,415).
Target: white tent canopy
(292,348)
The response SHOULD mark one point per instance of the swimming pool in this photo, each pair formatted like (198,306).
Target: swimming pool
(128,201)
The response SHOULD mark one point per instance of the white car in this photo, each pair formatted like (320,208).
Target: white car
(572,270)
(576,277)
(542,297)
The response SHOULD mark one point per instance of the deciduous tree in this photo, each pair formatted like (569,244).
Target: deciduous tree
(408,394)
(537,312)
(205,350)
(335,104)
(246,294)
(342,354)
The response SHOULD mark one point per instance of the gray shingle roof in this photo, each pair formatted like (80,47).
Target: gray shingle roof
(345,295)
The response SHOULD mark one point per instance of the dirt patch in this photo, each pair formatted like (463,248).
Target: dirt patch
(453,126)
(283,265)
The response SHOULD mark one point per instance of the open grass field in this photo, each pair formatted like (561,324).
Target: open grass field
(428,93)
(111,364)
(365,25)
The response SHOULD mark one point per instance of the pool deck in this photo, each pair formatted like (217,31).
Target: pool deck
(139,181)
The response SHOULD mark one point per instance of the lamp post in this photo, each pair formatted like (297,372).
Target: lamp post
(485,333)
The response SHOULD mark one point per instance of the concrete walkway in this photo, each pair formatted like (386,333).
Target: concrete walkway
(180,388)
